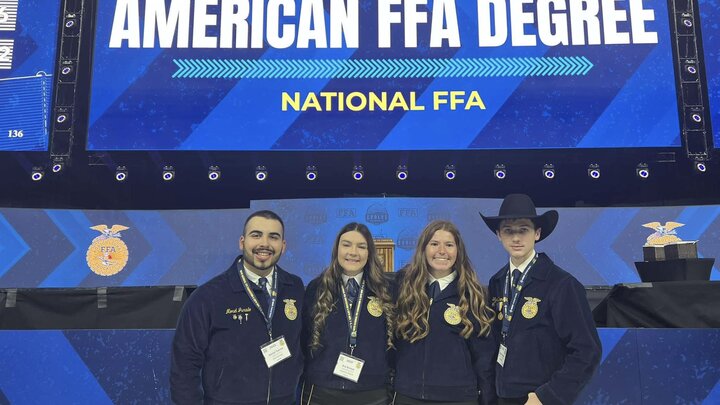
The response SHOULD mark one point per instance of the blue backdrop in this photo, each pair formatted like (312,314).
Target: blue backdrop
(47,248)
(709,17)
(230,99)
(26,85)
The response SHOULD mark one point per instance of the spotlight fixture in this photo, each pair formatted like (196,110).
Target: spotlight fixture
(358,172)
(642,170)
(37,173)
(214,173)
(548,171)
(261,173)
(58,165)
(401,173)
(168,173)
(311,173)
(593,171)
(500,172)
(700,166)
(121,173)
(450,172)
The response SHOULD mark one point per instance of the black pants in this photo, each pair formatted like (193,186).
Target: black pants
(315,395)
(401,399)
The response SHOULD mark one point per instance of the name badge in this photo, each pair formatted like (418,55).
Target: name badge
(348,367)
(275,351)
(501,355)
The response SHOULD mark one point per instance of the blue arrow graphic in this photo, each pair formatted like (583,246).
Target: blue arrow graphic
(380,68)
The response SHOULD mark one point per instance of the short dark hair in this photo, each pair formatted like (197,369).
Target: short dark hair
(267,214)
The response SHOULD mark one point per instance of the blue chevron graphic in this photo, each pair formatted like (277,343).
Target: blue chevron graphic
(380,68)
(596,245)
(76,228)
(697,220)
(12,246)
(46,369)
(166,248)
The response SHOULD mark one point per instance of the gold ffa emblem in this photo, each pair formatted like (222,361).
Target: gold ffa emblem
(291,311)
(452,315)
(374,307)
(530,308)
(108,254)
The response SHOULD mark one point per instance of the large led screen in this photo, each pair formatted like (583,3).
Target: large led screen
(710,25)
(382,75)
(28,42)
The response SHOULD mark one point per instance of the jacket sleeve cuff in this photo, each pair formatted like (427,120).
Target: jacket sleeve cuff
(547,396)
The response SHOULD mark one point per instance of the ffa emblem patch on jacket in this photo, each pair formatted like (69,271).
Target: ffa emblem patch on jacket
(452,315)
(374,307)
(291,311)
(108,254)
(530,308)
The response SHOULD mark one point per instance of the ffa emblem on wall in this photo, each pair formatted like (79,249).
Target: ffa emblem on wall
(108,254)
(664,234)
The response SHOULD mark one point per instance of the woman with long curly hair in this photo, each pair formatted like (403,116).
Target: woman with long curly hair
(445,351)
(347,325)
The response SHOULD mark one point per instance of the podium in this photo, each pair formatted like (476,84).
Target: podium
(675,270)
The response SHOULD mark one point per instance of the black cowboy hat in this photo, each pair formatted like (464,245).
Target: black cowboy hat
(519,206)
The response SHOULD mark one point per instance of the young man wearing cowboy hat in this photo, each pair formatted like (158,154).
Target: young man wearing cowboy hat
(549,347)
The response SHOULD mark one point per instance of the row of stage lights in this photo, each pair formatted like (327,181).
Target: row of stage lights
(500,172)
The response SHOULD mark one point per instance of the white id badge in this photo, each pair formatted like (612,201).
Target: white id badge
(501,355)
(348,367)
(275,351)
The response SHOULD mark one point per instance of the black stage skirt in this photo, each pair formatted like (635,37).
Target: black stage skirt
(315,395)
(401,399)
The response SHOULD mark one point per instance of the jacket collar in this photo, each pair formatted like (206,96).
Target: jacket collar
(233,275)
(539,271)
(450,291)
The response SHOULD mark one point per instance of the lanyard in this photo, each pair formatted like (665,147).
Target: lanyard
(353,320)
(509,310)
(253,298)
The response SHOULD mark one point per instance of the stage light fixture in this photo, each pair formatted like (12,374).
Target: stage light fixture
(58,165)
(168,173)
(500,172)
(261,173)
(401,173)
(121,173)
(642,170)
(548,171)
(696,117)
(37,173)
(450,172)
(593,171)
(358,172)
(214,173)
(311,173)
(700,166)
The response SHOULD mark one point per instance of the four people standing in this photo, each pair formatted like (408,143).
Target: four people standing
(241,340)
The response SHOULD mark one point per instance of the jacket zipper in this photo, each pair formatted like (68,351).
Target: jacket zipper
(425,346)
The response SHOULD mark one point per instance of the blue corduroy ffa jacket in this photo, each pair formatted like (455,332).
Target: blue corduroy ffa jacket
(371,345)
(555,352)
(216,357)
(444,366)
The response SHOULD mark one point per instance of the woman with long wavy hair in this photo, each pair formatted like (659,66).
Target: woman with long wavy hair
(445,349)
(347,325)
